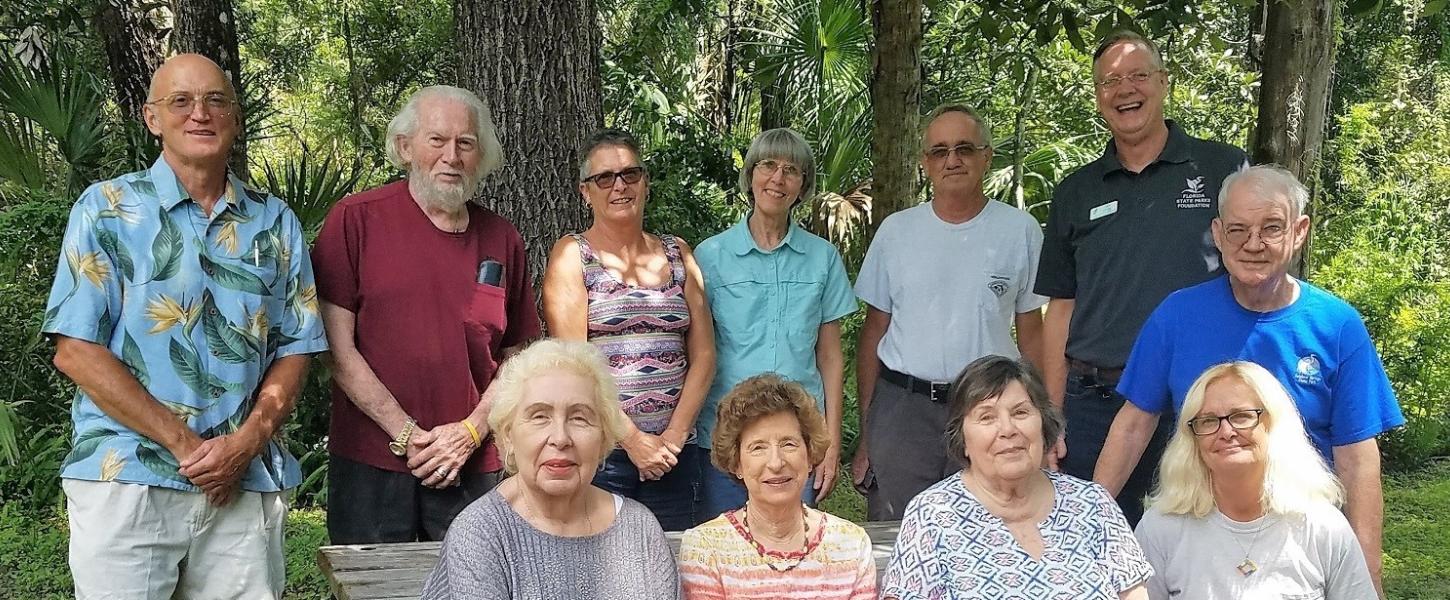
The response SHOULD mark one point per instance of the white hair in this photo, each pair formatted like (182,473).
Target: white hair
(545,357)
(1267,182)
(1295,475)
(983,128)
(405,124)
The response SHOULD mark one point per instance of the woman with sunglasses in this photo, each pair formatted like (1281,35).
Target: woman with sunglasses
(1245,506)
(638,297)
(778,294)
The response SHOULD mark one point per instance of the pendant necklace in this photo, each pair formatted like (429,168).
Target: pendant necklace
(1248,567)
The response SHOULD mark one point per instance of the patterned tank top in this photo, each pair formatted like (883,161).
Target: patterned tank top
(641,331)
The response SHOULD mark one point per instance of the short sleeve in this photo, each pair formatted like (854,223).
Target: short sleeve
(865,588)
(838,300)
(1150,536)
(1027,299)
(85,298)
(1145,379)
(699,574)
(873,283)
(471,564)
(916,571)
(1364,404)
(523,313)
(1349,576)
(1057,265)
(1122,557)
(300,322)
(335,257)
(665,578)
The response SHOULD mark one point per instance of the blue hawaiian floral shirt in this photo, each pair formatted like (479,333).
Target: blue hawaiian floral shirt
(196,306)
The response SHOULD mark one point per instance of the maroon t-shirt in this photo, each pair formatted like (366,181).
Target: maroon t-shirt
(428,329)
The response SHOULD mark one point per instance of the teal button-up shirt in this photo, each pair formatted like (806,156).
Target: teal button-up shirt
(196,306)
(769,308)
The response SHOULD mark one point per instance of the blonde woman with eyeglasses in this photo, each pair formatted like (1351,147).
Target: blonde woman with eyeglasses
(639,297)
(1245,506)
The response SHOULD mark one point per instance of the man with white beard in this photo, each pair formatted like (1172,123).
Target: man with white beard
(423,294)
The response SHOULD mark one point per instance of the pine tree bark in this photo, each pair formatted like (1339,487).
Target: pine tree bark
(209,28)
(536,62)
(1298,59)
(895,105)
(132,43)
(133,51)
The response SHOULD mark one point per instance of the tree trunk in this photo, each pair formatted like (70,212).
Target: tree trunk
(209,28)
(536,62)
(895,105)
(132,43)
(1298,59)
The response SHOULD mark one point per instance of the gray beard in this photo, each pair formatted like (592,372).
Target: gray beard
(449,198)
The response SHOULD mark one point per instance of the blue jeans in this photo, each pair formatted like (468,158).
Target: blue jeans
(722,492)
(671,498)
(1089,411)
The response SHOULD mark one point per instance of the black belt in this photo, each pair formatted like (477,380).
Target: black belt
(1093,375)
(937,392)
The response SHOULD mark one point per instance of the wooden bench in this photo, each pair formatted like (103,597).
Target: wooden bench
(395,571)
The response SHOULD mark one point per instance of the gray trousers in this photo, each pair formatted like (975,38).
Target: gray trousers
(906,444)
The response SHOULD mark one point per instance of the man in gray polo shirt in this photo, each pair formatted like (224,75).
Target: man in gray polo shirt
(1124,231)
(944,283)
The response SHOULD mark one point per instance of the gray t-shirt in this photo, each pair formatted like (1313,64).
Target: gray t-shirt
(1299,557)
(492,553)
(953,289)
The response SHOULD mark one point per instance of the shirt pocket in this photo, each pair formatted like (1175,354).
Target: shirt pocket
(740,306)
(802,315)
(486,317)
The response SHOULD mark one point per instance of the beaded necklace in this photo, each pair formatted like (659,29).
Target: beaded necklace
(740,519)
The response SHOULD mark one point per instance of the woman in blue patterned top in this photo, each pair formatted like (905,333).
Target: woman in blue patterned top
(1004,528)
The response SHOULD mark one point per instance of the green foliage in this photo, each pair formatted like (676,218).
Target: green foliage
(309,186)
(1417,524)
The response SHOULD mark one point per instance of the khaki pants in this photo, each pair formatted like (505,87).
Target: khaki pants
(135,541)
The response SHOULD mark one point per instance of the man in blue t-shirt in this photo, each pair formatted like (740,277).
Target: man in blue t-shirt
(1314,343)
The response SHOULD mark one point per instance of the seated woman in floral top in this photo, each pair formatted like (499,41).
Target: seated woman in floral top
(1004,528)
(770,435)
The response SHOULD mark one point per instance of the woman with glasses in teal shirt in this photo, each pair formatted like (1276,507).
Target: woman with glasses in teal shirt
(778,294)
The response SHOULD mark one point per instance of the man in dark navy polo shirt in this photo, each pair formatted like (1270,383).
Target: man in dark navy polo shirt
(1124,232)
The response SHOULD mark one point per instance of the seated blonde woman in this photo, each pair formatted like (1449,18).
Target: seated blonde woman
(1245,507)
(770,436)
(546,532)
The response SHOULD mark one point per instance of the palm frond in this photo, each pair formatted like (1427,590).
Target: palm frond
(311,187)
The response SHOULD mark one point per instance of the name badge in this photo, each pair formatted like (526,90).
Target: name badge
(1103,210)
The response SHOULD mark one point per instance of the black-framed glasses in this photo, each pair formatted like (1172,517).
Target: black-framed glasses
(962,151)
(1239,420)
(605,180)
(1238,235)
(181,103)
(769,167)
(1138,78)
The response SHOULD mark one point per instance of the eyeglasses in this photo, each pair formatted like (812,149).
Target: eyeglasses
(181,103)
(1137,78)
(962,151)
(605,180)
(769,167)
(1239,420)
(1238,235)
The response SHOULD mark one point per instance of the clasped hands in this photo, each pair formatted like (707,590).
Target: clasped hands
(654,455)
(216,465)
(436,455)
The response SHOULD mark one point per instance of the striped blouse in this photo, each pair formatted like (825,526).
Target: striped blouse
(717,563)
(641,331)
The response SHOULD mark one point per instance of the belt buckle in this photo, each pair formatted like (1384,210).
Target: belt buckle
(938,398)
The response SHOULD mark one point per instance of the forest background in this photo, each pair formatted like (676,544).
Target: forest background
(1353,96)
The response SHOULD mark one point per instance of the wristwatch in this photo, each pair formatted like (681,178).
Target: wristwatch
(399,445)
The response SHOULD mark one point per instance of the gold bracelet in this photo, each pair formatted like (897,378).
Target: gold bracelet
(473,432)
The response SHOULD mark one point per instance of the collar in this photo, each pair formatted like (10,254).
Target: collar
(170,192)
(739,241)
(1175,150)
